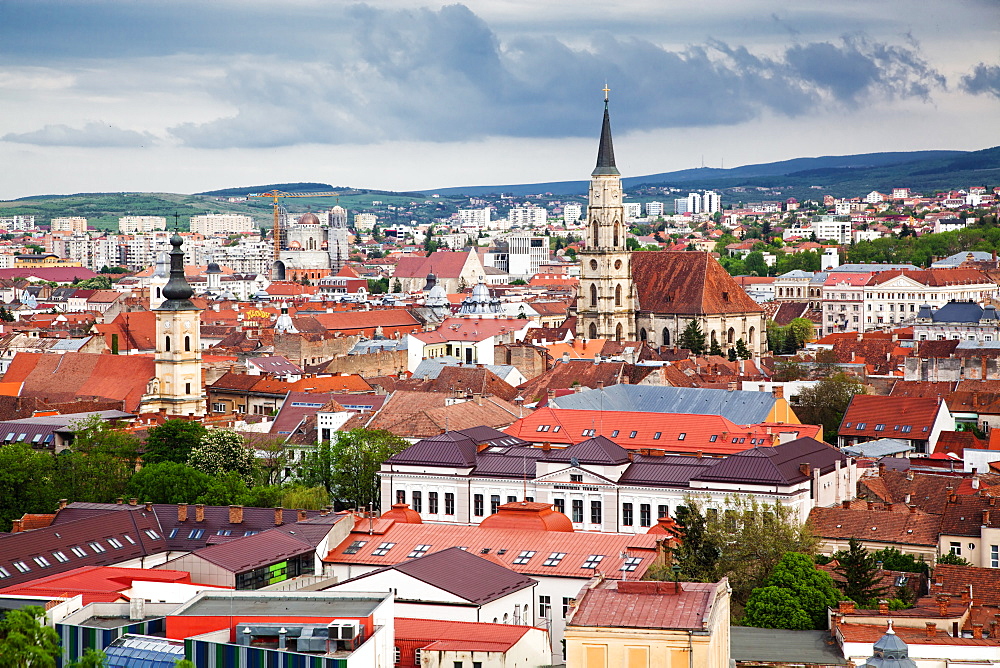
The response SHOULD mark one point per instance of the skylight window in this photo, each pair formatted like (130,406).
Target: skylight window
(173,533)
(713,438)
(556,428)
(20,437)
(128,538)
(632,434)
(195,534)
(4,573)
(542,427)
(880,427)
(847,425)
(224,532)
(382,549)
(78,551)
(60,556)
(250,533)
(631,563)
(97,547)
(860,426)
(614,433)
(355,546)
(418,551)
(524,557)
(152,534)
(21,566)
(115,543)
(37,438)
(907,428)
(592,561)
(554,559)
(587,432)
(681,436)
(42,561)
(657,435)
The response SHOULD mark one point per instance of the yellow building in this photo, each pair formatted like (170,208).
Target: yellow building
(649,624)
(41,261)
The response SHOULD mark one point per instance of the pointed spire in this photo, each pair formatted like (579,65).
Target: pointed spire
(606,151)
(177,292)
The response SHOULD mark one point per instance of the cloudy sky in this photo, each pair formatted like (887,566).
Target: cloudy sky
(186,96)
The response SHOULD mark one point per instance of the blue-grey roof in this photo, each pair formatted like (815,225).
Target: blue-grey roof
(779,645)
(377,345)
(738,406)
(430,368)
(796,273)
(882,447)
(129,651)
(969,312)
(959,258)
(872,266)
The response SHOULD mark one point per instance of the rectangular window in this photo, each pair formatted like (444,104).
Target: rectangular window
(78,551)
(554,559)
(577,510)
(627,514)
(880,427)
(592,561)
(560,505)
(115,543)
(355,546)
(632,434)
(631,563)
(477,505)
(994,556)
(566,603)
(4,573)
(713,438)
(656,436)
(595,512)
(511,499)
(662,511)
(544,606)
(400,496)
(21,566)
(524,557)
(576,477)
(382,549)
(194,534)
(418,551)
(681,436)
(644,513)
(395,654)
(449,503)
(416,657)
(418,502)
(614,433)
(494,504)
(96,547)
(956,548)
(60,556)
(42,561)
(432,503)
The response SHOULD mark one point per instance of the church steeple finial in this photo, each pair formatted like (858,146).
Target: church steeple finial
(177,291)
(606,151)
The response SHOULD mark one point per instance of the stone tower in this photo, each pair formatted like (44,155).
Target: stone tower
(605,304)
(177,387)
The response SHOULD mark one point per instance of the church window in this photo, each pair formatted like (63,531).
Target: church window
(666,337)
(750,336)
(618,264)
(618,295)
(618,229)
(714,339)
(642,334)
(157,293)
(618,333)
(593,265)
(593,234)
(187,388)
(166,344)
(187,344)
(593,331)
(731,336)
(593,295)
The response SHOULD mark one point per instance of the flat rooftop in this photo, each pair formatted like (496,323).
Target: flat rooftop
(319,604)
(780,645)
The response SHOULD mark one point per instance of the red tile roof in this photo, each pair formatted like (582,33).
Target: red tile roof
(887,417)
(459,636)
(96,583)
(646,605)
(444,264)
(876,526)
(687,283)
(63,378)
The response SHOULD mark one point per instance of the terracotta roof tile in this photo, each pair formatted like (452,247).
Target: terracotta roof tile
(879,417)
(645,604)
(688,283)
(917,528)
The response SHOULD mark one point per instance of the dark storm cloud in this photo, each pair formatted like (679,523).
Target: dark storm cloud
(445,76)
(91,135)
(984,80)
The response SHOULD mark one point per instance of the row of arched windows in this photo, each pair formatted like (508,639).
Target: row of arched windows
(593,295)
(730,336)
(187,344)
(616,234)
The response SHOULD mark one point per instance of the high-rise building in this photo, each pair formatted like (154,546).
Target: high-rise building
(141,224)
(222,224)
(475,218)
(528,216)
(711,202)
(365,222)
(69,224)
(633,210)
(654,209)
(572,212)
(694,203)
(17,223)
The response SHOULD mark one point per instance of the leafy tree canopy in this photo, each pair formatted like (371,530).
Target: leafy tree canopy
(826,402)
(168,482)
(25,483)
(861,574)
(222,451)
(346,466)
(811,592)
(173,441)
(27,642)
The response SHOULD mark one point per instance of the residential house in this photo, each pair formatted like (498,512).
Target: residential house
(471,340)
(445,644)
(917,420)
(908,530)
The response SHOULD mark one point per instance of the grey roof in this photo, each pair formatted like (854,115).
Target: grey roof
(959,258)
(461,573)
(281,604)
(431,367)
(780,646)
(874,266)
(819,277)
(881,447)
(605,151)
(954,311)
(796,273)
(969,345)
(376,345)
(738,406)
(596,450)
(454,448)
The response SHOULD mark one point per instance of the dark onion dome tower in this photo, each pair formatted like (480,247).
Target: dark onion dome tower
(605,304)
(177,388)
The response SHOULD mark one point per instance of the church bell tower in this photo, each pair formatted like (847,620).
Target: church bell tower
(177,387)
(605,304)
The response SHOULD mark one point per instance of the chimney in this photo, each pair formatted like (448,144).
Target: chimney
(975,482)
(778,391)
(546,446)
(731,386)
(913,509)
(871,505)
(278,517)
(845,504)
(986,518)
(149,506)
(120,500)
(235,514)
(942,603)
(762,388)
(133,502)
(182,512)
(883,607)
(805,469)
(199,512)
(137,609)
(845,607)
(478,398)
(699,454)
(977,630)
(600,384)
(881,468)
(62,503)
(930,629)
(300,515)
(15,526)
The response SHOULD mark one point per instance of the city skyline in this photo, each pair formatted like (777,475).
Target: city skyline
(413,96)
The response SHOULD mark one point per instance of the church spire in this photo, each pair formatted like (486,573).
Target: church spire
(606,151)
(177,291)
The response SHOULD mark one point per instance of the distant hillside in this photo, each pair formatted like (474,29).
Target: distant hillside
(875,171)
(284,187)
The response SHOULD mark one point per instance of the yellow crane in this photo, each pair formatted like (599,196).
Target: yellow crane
(275,195)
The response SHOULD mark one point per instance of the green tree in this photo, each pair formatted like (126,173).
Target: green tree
(953,559)
(894,560)
(347,466)
(788,370)
(776,608)
(742,351)
(801,331)
(861,573)
(826,402)
(692,338)
(300,496)
(715,348)
(731,355)
(27,641)
(6,315)
(754,264)
(698,553)
(811,588)
(98,466)
(173,441)
(222,451)
(92,658)
(168,482)
(397,287)
(226,489)
(25,483)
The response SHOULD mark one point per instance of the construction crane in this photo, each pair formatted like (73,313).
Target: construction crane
(275,195)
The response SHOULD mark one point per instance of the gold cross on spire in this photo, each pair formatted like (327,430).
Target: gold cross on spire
(606,91)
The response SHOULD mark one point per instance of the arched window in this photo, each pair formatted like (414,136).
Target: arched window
(593,331)
(666,337)
(593,295)
(166,344)
(593,235)
(714,339)
(157,293)
(505,618)
(642,334)
(618,332)
(187,344)
(750,336)
(731,336)
(618,231)
(618,295)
